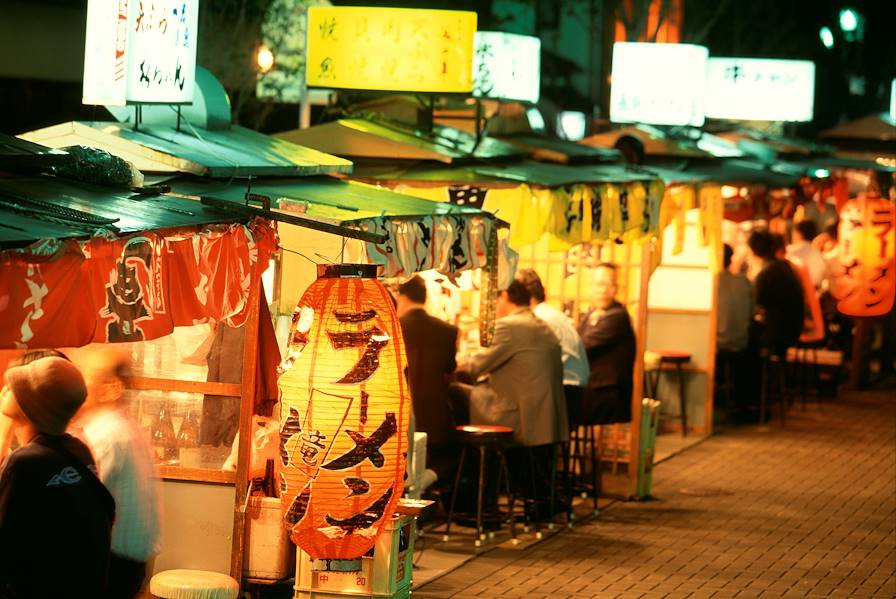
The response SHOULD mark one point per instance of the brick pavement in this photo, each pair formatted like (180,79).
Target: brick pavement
(804,511)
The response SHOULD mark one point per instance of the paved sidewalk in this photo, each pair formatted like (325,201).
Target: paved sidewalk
(804,511)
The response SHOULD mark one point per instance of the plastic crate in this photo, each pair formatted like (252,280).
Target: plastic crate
(385,574)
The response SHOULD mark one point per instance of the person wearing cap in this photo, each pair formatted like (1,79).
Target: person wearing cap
(55,515)
(124,461)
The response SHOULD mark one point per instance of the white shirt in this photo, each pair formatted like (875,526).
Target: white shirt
(575,359)
(124,461)
(811,259)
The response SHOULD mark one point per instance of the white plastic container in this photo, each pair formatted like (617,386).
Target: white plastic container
(269,551)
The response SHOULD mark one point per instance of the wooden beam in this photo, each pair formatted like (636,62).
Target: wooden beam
(638,374)
(209,388)
(199,475)
(709,410)
(247,404)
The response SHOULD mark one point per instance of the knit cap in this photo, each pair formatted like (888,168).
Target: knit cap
(49,391)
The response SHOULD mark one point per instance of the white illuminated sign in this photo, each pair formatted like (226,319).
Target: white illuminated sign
(658,84)
(571,125)
(140,52)
(507,66)
(760,89)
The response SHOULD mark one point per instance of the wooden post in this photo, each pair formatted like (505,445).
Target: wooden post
(638,373)
(247,401)
(711,356)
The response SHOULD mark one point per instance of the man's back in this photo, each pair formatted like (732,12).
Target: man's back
(575,362)
(55,522)
(526,374)
(780,296)
(735,311)
(430,345)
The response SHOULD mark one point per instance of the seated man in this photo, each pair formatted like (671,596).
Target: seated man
(575,360)
(431,345)
(610,344)
(524,388)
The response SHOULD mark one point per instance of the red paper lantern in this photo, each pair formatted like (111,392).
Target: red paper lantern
(866,270)
(344,414)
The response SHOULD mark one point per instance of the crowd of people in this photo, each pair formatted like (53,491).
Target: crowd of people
(541,375)
(79,513)
(776,299)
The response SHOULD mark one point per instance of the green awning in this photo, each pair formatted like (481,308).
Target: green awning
(561,150)
(556,175)
(733,171)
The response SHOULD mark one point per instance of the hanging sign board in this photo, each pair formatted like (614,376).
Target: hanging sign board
(507,66)
(658,84)
(140,52)
(758,89)
(391,49)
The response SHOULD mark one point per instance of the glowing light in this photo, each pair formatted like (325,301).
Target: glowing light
(849,20)
(571,125)
(264,59)
(827,37)
(821,173)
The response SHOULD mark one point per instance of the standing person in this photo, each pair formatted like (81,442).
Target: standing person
(610,345)
(431,345)
(804,232)
(124,463)
(55,514)
(575,360)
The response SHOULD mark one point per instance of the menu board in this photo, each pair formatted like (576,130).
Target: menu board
(507,66)
(140,52)
(392,49)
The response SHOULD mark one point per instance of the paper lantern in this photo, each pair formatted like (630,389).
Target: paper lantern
(344,414)
(866,271)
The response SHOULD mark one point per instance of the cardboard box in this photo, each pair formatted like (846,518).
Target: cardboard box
(387,574)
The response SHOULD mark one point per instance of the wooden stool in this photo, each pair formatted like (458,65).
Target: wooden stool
(193,584)
(678,359)
(484,438)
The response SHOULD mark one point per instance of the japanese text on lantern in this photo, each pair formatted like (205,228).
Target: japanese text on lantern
(342,442)
(390,49)
(865,274)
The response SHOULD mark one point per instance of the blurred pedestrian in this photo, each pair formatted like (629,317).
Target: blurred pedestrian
(125,465)
(778,296)
(733,317)
(55,514)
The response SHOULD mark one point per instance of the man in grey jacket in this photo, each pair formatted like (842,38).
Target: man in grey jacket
(523,370)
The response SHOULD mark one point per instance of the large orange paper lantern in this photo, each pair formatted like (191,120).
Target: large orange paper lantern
(866,270)
(344,414)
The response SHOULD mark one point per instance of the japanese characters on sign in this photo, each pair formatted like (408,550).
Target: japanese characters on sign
(507,66)
(392,49)
(345,415)
(760,89)
(866,268)
(660,84)
(140,51)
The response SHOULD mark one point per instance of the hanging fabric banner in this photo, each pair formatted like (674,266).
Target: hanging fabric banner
(133,288)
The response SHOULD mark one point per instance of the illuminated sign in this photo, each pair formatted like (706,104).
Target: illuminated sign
(507,66)
(658,84)
(394,49)
(571,125)
(759,89)
(140,52)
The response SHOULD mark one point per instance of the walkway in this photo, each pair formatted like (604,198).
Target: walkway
(804,511)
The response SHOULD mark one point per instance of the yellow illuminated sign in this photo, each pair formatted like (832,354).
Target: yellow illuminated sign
(394,49)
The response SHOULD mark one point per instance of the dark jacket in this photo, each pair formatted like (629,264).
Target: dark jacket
(779,296)
(55,521)
(431,345)
(610,345)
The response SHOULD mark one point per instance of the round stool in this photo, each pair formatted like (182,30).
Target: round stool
(678,359)
(484,438)
(193,584)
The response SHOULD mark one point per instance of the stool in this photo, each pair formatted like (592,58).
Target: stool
(484,438)
(582,437)
(801,358)
(193,584)
(678,359)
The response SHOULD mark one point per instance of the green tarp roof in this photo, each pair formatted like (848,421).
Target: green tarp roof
(321,197)
(725,171)
(560,150)
(557,175)
(46,207)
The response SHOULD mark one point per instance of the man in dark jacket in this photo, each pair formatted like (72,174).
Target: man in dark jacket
(610,344)
(55,515)
(779,296)
(431,345)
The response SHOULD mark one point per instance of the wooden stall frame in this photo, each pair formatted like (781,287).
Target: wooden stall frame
(638,373)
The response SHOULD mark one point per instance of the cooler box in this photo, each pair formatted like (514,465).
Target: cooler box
(385,574)
(269,551)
